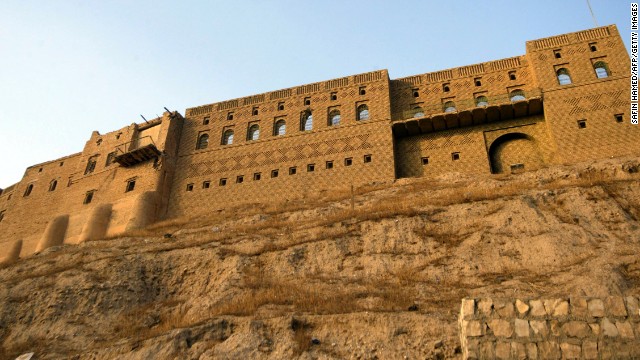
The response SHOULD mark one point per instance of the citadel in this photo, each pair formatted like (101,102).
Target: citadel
(565,101)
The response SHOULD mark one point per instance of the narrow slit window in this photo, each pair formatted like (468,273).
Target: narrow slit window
(189,187)
(348,161)
(53,184)
(131,184)
(88,197)
(367,158)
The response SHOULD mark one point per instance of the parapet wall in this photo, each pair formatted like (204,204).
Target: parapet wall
(567,328)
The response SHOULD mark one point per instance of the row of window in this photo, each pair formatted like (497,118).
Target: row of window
(280,126)
(446,87)
(131,184)
(450,106)
(582,123)
(601,69)
(276,172)
(455,156)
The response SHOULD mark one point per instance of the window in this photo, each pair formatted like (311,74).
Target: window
(274,173)
(363,112)
(28,190)
(517,95)
(118,136)
(563,76)
(602,70)
(416,93)
(449,106)
(482,101)
(280,128)
(227,137)
(348,161)
(516,168)
(257,176)
(230,115)
(254,112)
(239,179)
(455,156)
(619,117)
(334,96)
(307,101)
(91,165)
(203,142)
(88,197)
(206,184)
(593,47)
(334,117)
(131,184)
(222,182)
(253,133)
(40,170)
(582,124)
(292,170)
(311,167)
(512,75)
(445,87)
(61,163)
(2,215)
(53,184)
(111,157)
(205,121)
(425,160)
(281,106)
(328,165)
(367,158)
(189,187)
(557,54)
(306,121)
(363,90)
(418,112)
(477,81)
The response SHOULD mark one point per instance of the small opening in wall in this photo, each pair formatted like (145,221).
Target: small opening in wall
(189,187)
(230,116)
(516,168)
(311,167)
(61,163)
(28,190)
(416,93)
(582,124)
(206,184)
(257,176)
(307,101)
(88,197)
(593,47)
(425,160)
(348,161)
(363,90)
(239,179)
(254,112)
(40,170)
(477,81)
(445,87)
(274,173)
(280,106)
(619,118)
(2,215)
(118,136)
(53,184)
(222,182)
(329,164)
(292,170)
(557,54)
(512,75)
(205,121)
(367,158)
(334,96)
(455,156)
(131,184)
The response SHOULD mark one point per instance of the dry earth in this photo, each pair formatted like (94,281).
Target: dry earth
(377,275)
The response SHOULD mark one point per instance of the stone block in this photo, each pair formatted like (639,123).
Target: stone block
(596,308)
(595,328)
(577,329)
(632,306)
(537,308)
(539,328)
(522,328)
(590,349)
(570,351)
(501,328)
(615,306)
(504,309)
(532,351)
(548,350)
(609,329)
(487,350)
(473,327)
(522,307)
(503,351)
(472,351)
(605,350)
(518,351)
(467,309)
(556,307)
(485,306)
(625,330)
(578,307)
(554,327)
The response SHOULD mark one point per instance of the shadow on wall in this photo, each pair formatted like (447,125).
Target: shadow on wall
(514,152)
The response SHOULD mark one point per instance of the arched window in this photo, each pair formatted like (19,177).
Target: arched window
(203,142)
(363,112)
(563,76)
(482,101)
(52,185)
(418,112)
(449,106)
(517,95)
(334,117)
(602,70)
(28,190)
(227,137)
(280,128)
(254,132)
(306,121)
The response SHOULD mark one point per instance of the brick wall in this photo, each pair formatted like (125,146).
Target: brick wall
(567,328)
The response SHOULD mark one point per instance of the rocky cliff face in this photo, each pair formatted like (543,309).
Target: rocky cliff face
(379,274)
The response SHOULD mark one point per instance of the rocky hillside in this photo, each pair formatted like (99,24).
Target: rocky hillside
(377,274)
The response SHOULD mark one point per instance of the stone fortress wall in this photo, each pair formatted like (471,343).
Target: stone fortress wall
(567,328)
(508,115)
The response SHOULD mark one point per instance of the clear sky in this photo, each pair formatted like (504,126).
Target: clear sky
(70,67)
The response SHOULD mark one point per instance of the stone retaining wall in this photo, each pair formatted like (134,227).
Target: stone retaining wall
(567,328)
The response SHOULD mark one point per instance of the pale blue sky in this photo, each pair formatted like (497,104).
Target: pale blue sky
(70,67)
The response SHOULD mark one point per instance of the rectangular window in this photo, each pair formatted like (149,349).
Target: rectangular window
(257,176)
(91,165)
(222,182)
(477,81)
(189,187)
(619,117)
(516,168)
(2,215)
(230,115)
(348,161)
(292,170)
(311,167)
(425,160)
(582,124)
(367,158)
(88,197)
(455,156)
(240,179)
(557,54)
(307,101)
(362,90)
(281,106)
(205,121)
(593,46)
(334,96)
(131,184)
(206,184)
(512,75)
(329,165)
(274,173)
